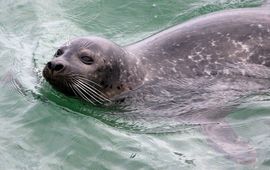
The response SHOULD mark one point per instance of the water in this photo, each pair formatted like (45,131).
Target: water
(42,129)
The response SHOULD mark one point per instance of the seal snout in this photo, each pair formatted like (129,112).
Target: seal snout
(55,66)
(54,69)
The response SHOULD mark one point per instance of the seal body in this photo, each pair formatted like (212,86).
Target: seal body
(211,45)
(222,43)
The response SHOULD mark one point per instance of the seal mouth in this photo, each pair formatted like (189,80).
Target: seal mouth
(76,85)
(59,82)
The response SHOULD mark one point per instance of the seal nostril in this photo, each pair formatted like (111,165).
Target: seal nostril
(49,65)
(53,66)
(58,67)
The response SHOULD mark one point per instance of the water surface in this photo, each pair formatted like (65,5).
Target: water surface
(42,129)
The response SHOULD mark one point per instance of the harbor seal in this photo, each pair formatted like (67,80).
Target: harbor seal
(212,45)
(232,43)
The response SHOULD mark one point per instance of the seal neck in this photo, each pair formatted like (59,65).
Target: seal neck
(130,73)
(133,72)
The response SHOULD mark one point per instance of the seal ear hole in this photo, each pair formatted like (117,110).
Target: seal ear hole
(58,53)
(87,59)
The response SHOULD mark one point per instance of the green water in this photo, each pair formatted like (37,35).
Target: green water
(42,129)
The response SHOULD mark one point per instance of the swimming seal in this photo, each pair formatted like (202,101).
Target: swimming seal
(226,43)
(205,46)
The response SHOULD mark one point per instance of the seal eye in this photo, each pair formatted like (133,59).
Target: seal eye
(87,60)
(59,52)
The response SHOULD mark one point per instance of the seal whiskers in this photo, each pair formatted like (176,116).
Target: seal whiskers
(80,93)
(85,79)
(90,92)
(71,87)
(76,90)
(93,90)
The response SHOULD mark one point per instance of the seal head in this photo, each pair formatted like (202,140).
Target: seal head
(94,69)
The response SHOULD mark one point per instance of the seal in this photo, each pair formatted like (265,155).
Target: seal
(216,44)
(231,43)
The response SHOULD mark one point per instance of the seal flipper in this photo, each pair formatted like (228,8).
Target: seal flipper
(222,137)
